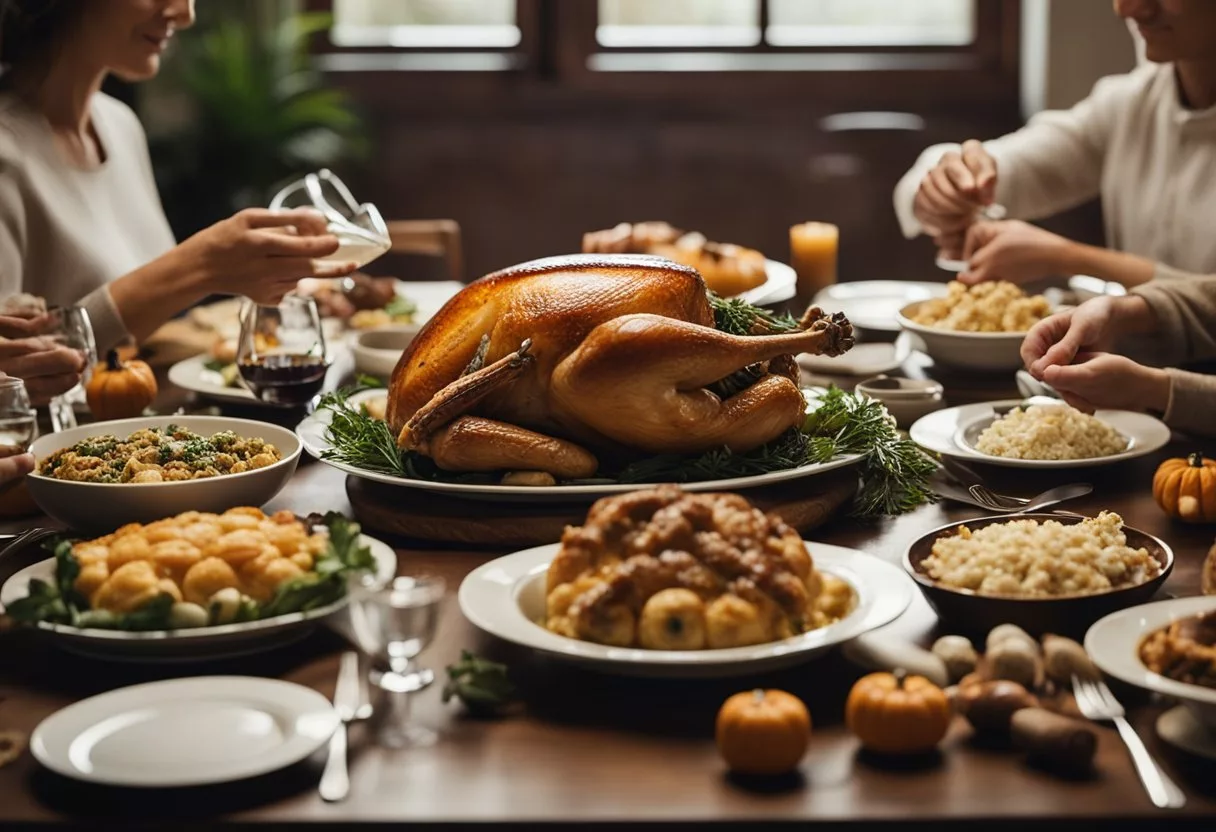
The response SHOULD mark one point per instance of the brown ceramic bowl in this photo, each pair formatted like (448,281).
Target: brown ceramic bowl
(966,611)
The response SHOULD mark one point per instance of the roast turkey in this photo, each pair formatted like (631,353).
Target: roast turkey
(556,365)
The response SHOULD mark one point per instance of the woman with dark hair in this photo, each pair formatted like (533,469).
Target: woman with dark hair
(80,218)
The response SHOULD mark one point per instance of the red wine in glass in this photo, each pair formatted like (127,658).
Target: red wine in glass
(285,380)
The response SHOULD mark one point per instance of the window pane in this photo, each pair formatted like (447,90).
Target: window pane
(678,23)
(425,23)
(871,22)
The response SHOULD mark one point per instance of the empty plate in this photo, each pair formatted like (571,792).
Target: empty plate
(874,304)
(185,732)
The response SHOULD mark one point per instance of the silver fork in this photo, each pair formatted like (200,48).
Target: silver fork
(994,501)
(1096,702)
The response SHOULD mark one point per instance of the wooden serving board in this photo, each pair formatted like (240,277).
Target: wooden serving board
(422,515)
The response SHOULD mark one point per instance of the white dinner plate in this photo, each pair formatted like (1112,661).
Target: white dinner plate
(1113,643)
(192,374)
(874,304)
(185,732)
(779,286)
(506,598)
(944,432)
(312,436)
(196,643)
(866,359)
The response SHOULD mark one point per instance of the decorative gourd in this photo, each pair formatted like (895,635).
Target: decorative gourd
(894,713)
(763,732)
(1186,488)
(120,389)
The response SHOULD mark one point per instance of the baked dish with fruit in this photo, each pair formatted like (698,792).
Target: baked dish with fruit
(728,269)
(667,570)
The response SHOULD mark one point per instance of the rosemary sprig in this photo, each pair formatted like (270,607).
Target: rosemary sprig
(894,471)
(738,317)
(789,450)
(357,439)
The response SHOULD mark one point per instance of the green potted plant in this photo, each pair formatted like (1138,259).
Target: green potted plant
(239,110)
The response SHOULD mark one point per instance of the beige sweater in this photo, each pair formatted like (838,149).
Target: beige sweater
(1131,142)
(1186,313)
(65,232)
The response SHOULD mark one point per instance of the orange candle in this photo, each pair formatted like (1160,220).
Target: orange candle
(813,247)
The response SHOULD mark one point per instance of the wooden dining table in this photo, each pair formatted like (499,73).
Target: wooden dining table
(581,747)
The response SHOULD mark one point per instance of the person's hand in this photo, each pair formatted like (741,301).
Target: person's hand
(14,465)
(953,191)
(18,326)
(1058,340)
(1102,380)
(1012,250)
(262,254)
(47,368)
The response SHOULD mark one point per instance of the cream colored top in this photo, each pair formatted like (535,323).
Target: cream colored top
(66,232)
(1131,142)
(1186,332)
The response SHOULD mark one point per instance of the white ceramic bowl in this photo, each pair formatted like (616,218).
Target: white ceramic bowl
(506,598)
(377,350)
(1113,643)
(967,350)
(907,399)
(90,506)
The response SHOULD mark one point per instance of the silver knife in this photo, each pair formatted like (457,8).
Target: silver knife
(335,781)
(1056,495)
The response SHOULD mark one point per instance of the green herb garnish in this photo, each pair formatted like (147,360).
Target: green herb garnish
(401,308)
(738,317)
(358,440)
(480,684)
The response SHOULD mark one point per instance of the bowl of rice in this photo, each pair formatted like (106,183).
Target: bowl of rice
(1047,573)
(978,327)
(1054,432)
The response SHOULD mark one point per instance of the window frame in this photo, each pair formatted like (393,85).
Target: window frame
(558,54)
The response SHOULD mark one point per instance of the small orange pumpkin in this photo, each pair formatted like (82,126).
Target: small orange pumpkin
(763,732)
(120,389)
(1186,488)
(894,713)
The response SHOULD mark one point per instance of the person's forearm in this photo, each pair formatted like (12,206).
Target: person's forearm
(152,294)
(1113,266)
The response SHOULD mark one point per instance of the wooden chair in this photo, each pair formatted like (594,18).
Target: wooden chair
(433,238)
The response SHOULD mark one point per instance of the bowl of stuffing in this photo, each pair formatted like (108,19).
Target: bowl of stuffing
(1047,573)
(103,475)
(978,327)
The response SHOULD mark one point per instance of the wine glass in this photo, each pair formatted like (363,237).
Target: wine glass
(392,625)
(281,353)
(18,419)
(70,326)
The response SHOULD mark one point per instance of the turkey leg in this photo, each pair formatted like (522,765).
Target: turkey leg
(471,443)
(461,395)
(640,380)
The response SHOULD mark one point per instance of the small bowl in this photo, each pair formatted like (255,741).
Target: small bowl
(377,350)
(1114,645)
(907,399)
(972,613)
(96,506)
(996,351)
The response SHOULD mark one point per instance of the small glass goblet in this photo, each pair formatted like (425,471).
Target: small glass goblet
(392,625)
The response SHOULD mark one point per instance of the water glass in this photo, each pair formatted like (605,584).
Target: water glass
(18,419)
(392,625)
(281,352)
(70,326)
